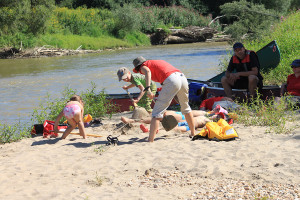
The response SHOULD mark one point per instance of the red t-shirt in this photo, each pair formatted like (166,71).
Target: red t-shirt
(208,103)
(160,70)
(293,85)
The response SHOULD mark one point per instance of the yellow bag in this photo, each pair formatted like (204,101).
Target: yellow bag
(220,130)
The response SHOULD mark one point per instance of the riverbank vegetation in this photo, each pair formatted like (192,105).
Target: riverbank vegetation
(112,24)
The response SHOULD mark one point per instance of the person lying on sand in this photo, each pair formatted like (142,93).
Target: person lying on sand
(200,119)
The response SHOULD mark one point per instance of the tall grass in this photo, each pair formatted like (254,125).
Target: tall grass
(274,114)
(86,42)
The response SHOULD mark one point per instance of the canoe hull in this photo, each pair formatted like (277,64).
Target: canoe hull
(215,89)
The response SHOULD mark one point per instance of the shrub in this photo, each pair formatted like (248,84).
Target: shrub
(253,20)
(94,104)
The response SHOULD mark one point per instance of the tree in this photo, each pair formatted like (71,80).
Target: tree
(251,19)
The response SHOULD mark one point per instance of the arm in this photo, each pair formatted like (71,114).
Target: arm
(141,87)
(57,121)
(283,89)
(254,71)
(127,87)
(146,71)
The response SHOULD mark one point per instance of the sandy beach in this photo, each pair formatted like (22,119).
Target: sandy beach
(256,165)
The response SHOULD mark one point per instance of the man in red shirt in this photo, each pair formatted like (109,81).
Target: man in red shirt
(173,83)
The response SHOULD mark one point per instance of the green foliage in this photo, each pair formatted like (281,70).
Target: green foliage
(25,16)
(97,105)
(14,40)
(270,113)
(154,17)
(137,38)
(12,133)
(86,42)
(286,34)
(80,21)
(94,104)
(253,20)
(125,20)
(281,6)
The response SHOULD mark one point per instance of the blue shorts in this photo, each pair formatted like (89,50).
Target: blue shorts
(182,116)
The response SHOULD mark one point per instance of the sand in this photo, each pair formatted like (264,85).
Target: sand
(256,165)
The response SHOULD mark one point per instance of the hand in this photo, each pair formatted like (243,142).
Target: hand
(135,101)
(234,76)
(125,87)
(55,130)
(150,95)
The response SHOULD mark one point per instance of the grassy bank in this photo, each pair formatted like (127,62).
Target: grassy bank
(287,35)
(92,43)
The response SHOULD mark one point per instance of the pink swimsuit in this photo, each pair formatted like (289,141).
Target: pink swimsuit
(70,110)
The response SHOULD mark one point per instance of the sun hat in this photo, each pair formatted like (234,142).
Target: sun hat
(138,61)
(169,122)
(122,73)
(296,63)
(237,45)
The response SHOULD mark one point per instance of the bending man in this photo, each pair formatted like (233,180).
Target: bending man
(173,83)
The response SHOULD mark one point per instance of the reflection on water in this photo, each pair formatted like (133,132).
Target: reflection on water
(24,83)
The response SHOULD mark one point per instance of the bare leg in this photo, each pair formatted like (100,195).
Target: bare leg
(81,129)
(127,120)
(70,128)
(190,120)
(197,113)
(253,80)
(227,86)
(178,117)
(153,128)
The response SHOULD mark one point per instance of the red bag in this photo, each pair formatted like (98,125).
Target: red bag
(49,127)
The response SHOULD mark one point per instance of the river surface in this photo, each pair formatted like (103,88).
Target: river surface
(24,83)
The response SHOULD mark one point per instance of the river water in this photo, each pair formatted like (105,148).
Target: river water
(24,83)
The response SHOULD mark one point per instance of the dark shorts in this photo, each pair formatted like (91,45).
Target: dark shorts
(242,83)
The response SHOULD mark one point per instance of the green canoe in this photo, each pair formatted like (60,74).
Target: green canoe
(268,56)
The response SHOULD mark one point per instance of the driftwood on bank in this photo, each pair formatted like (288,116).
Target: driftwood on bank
(187,35)
(47,51)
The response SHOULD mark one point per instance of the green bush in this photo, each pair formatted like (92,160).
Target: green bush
(251,20)
(125,20)
(12,133)
(286,34)
(94,104)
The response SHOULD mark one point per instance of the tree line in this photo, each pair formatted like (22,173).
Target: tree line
(243,18)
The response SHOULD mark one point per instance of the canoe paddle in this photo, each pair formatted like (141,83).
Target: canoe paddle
(92,135)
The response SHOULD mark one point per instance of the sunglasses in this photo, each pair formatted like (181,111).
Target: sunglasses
(295,66)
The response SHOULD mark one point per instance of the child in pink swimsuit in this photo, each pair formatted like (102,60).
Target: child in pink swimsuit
(73,111)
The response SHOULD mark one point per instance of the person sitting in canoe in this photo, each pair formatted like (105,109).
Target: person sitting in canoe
(247,75)
(137,80)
